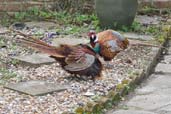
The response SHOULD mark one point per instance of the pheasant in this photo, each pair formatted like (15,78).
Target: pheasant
(75,59)
(108,44)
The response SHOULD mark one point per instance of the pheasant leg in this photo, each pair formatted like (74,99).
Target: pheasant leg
(108,65)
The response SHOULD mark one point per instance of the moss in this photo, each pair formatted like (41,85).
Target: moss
(90,107)
(111,94)
(79,110)
(97,109)
(119,87)
(116,99)
(6,75)
(125,81)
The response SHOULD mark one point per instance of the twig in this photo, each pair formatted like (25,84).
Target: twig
(146,44)
(20,33)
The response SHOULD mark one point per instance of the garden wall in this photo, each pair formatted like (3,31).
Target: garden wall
(70,5)
(86,6)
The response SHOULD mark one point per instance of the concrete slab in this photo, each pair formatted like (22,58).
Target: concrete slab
(70,41)
(36,87)
(149,102)
(138,36)
(169,51)
(167,59)
(165,68)
(166,109)
(153,85)
(131,112)
(154,95)
(35,59)
(43,24)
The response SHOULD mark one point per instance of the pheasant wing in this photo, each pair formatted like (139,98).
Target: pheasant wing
(79,60)
(111,45)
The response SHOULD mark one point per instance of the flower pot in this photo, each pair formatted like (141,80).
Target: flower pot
(116,13)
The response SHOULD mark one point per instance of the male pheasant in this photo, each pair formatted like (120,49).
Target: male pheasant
(108,43)
(78,59)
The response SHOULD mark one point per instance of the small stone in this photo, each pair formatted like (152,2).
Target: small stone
(3,30)
(89,94)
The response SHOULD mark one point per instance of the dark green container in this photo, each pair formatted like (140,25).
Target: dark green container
(116,13)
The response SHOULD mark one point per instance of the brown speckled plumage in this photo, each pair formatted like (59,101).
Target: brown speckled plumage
(78,59)
(110,43)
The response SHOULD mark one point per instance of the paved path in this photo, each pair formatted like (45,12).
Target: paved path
(154,95)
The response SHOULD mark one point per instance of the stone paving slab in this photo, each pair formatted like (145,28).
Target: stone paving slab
(166,109)
(43,24)
(167,59)
(36,87)
(169,51)
(149,102)
(132,112)
(153,97)
(35,59)
(148,20)
(153,85)
(138,36)
(164,68)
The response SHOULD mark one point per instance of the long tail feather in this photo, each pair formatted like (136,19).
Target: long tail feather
(39,45)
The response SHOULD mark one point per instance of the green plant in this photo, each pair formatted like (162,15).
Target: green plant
(2,43)
(19,16)
(6,75)
(14,61)
(135,27)
(75,20)
(152,30)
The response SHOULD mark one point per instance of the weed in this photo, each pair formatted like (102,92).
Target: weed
(2,43)
(5,75)
(14,61)
(149,10)
(152,30)
(135,27)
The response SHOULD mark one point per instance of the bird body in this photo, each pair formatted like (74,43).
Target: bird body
(108,43)
(75,59)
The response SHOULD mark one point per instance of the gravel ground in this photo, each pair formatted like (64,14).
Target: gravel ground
(131,60)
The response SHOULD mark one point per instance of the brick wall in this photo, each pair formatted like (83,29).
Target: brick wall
(70,5)
(22,5)
(156,3)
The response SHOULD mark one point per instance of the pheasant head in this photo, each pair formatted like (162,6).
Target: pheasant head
(93,38)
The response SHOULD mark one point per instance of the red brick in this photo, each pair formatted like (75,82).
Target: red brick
(156,3)
(162,3)
(19,6)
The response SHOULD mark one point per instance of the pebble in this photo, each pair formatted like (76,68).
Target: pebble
(89,94)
